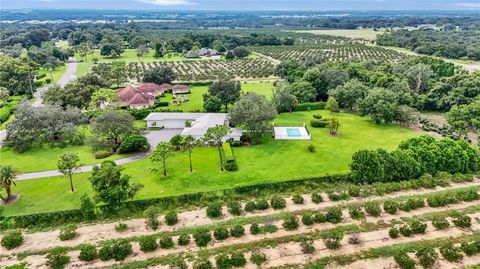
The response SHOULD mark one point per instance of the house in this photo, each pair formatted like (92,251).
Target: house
(151,88)
(180,89)
(133,98)
(194,124)
(207,52)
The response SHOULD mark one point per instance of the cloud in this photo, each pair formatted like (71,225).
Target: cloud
(167,2)
(469,5)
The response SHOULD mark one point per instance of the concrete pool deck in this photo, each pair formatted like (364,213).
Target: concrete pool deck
(291,133)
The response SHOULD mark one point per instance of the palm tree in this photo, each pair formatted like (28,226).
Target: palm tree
(7,178)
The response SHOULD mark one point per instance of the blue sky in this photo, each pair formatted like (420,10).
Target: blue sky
(248,4)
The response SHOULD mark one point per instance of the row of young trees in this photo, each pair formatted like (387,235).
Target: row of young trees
(413,158)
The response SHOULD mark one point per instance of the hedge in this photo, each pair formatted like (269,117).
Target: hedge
(75,215)
(309,106)
(9,108)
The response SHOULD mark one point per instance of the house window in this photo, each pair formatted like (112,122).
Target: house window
(154,124)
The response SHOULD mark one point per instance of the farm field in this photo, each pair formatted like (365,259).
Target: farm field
(368,34)
(332,157)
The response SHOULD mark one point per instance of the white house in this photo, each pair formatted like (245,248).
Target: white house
(194,124)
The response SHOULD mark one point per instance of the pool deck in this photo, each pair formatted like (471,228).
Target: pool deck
(281,133)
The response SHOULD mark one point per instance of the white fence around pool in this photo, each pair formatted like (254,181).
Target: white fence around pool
(292,132)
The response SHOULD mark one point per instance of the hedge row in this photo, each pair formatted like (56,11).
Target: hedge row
(309,106)
(9,108)
(75,215)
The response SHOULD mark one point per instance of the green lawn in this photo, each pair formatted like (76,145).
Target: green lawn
(45,157)
(130,55)
(272,161)
(56,74)
(195,102)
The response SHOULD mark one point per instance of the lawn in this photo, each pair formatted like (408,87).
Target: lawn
(43,158)
(272,161)
(195,102)
(56,74)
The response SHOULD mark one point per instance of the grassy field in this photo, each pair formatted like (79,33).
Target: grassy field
(272,161)
(45,158)
(368,34)
(56,74)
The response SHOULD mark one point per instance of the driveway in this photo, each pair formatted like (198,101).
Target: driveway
(153,137)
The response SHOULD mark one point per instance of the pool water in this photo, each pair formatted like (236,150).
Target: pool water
(293,132)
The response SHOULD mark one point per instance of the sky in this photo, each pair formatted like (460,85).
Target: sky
(246,4)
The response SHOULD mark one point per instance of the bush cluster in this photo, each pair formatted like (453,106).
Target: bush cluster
(68,232)
(88,252)
(12,239)
(214,210)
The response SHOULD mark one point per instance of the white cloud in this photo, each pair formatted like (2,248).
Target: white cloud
(167,2)
(469,5)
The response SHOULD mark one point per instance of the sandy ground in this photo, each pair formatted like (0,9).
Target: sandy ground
(98,232)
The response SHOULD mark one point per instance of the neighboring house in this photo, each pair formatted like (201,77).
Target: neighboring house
(133,98)
(199,123)
(151,88)
(207,52)
(180,89)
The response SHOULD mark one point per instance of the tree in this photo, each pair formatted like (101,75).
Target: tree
(158,50)
(407,115)
(214,136)
(304,91)
(188,143)
(465,118)
(331,105)
(162,152)
(419,76)
(7,179)
(283,99)
(229,55)
(102,98)
(228,91)
(254,112)
(119,72)
(381,104)
(67,164)
(333,125)
(4,94)
(241,52)
(112,125)
(110,186)
(73,94)
(212,104)
(84,50)
(142,50)
(15,75)
(159,75)
(349,94)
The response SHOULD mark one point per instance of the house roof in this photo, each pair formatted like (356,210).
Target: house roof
(180,87)
(127,93)
(149,88)
(201,124)
(173,116)
(133,96)
(165,86)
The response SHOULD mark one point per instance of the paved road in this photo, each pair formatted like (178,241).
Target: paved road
(68,76)
(154,137)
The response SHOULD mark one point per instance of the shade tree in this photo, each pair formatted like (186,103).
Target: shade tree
(162,153)
(283,99)
(67,164)
(113,125)
(228,91)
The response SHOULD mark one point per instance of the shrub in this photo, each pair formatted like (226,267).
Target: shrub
(121,227)
(356,212)
(105,253)
(68,232)
(184,239)
(87,206)
(223,261)
(269,228)
(121,249)
(319,218)
(133,143)
(318,123)
(258,258)
(148,243)
(290,222)
(17,266)
(177,262)
(332,239)
(334,215)
(406,231)
(166,242)
(250,206)
(278,202)
(235,208)
(393,232)
(317,198)
(202,264)
(214,210)
(230,165)
(451,253)
(311,148)
(404,261)
(467,195)
(354,239)
(307,218)
(297,199)
(261,204)
(440,223)
(255,229)
(102,154)
(373,209)
(88,252)
(12,239)
(202,237)
(427,256)
(462,220)
(307,246)
(418,227)
(470,248)
(412,204)
(337,196)
(171,217)
(354,191)
(237,231)
(317,116)
(309,106)
(390,207)
(57,258)
(151,214)
(220,233)
(237,259)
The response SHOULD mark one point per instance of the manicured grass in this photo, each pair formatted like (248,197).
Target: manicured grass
(130,55)
(262,88)
(272,161)
(45,157)
(56,74)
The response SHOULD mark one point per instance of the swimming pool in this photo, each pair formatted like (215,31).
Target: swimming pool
(293,132)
